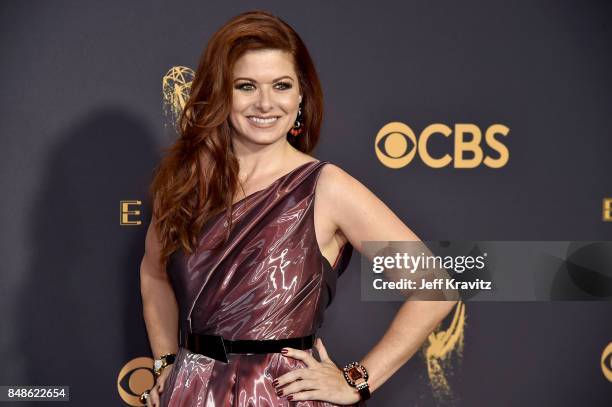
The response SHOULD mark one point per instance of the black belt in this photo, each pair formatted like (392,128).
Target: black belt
(217,347)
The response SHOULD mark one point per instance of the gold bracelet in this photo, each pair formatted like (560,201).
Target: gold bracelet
(162,362)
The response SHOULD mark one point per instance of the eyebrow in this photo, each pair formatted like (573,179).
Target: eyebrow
(274,80)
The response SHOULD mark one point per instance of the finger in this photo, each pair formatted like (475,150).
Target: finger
(297,374)
(301,355)
(322,351)
(160,387)
(154,397)
(307,395)
(298,386)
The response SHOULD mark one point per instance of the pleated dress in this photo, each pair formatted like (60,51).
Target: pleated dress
(269,281)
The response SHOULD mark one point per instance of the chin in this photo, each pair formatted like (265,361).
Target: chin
(270,139)
(262,137)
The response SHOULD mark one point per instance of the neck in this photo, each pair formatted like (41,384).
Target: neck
(264,160)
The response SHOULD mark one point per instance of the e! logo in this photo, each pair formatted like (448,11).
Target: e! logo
(396,145)
(607,210)
(135,377)
(606,362)
(125,212)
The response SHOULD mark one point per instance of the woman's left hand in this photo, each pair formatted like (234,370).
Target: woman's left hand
(322,381)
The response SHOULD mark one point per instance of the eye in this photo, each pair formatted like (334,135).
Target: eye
(283,85)
(245,86)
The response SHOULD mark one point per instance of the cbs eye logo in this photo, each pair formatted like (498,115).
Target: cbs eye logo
(135,377)
(396,145)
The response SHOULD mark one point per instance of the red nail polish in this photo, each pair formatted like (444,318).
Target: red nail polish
(275,383)
(284,351)
(289,397)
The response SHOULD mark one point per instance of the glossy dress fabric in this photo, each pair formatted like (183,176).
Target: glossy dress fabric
(269,281)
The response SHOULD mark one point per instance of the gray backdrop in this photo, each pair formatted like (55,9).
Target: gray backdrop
(82,128)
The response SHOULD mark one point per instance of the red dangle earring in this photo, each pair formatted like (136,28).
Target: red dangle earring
(297,128)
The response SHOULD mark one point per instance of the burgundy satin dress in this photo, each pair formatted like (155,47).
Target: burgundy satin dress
(270,281)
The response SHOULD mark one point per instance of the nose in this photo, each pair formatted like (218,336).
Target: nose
(264,100)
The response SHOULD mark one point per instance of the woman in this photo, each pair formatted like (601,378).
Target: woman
(241,260)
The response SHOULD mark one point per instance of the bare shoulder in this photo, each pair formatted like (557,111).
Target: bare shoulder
(356,211)
(338,186)
(336,189)
(330,182)
(334,182)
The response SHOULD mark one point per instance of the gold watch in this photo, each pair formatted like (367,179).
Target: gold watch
(162,362)
(357,376)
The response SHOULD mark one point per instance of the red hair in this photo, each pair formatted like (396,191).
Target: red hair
(197,177)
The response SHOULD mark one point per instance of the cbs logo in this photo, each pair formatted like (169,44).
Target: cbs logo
(606,362)
(135,377)
(396,145)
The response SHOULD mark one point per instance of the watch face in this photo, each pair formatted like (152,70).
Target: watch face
(355,374)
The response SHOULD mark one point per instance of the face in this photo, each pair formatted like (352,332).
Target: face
(265,96)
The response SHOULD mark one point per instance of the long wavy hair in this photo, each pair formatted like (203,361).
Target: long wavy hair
(197,177)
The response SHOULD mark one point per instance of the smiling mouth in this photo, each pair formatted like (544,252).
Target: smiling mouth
(263,120)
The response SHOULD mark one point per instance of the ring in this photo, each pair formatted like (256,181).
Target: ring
(144,396)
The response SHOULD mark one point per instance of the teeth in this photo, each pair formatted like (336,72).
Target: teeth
(261,120)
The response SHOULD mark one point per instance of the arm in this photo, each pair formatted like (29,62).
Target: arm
(160,309)
(361,216)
